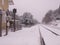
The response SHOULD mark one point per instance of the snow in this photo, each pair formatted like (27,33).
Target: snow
(50,38)
(31,36)
(55,24)
(53,29)
(26,36)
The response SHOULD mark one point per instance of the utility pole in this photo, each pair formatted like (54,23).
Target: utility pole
(7,20)
(0,23)
(14,13)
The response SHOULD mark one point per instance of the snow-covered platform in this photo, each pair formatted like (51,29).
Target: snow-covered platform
(26,36)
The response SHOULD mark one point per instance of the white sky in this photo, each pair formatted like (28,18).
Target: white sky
(37,7)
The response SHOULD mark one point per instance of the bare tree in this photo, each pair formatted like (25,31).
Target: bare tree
(47,17)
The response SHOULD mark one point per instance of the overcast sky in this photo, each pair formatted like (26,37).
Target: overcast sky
(37,7)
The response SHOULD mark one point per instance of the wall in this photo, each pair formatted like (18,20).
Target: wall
(5,5)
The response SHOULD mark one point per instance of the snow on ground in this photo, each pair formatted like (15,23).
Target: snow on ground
(55,27)
(26,36)
(52,29)
(50,38)
(31,36)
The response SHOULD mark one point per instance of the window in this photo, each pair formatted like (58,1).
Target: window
(2,2)
(10,2)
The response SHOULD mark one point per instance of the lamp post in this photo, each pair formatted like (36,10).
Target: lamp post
(0,22)
(14,13)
